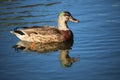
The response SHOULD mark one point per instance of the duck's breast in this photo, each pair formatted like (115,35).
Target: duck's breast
(67,34)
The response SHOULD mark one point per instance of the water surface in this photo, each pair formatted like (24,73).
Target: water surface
(96,40)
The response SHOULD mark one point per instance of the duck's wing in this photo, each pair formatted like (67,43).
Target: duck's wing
(38,30)
(39,34)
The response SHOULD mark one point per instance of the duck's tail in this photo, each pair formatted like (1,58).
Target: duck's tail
(17,31)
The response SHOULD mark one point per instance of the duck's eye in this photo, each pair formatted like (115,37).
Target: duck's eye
(66,14)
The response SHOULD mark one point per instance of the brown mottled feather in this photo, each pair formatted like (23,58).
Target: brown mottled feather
(44,34)
(41,30)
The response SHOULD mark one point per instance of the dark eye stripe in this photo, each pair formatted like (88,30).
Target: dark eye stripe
(66,14)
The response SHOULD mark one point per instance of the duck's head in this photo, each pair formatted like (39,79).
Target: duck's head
(66,16)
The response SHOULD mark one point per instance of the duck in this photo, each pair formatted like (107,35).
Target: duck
(47,34)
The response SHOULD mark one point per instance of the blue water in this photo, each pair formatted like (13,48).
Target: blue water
(96,40)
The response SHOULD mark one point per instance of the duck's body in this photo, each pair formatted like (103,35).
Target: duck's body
(47,34)
(43,34)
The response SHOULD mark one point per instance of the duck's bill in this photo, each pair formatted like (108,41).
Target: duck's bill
(74,20)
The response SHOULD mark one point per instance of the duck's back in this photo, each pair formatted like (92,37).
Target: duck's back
(39,34)
(41,30)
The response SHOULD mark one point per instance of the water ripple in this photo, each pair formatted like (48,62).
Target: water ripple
(29,6)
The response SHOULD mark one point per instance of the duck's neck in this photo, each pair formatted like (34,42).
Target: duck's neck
(62,25)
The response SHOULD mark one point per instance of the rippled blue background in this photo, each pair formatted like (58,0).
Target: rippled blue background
(96,40)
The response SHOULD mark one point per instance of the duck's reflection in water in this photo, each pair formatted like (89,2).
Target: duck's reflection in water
(65,59)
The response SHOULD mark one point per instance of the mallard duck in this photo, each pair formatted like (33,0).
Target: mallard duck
(48,34)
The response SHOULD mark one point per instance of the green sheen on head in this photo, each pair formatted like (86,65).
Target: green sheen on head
(64,13)
(61,14)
